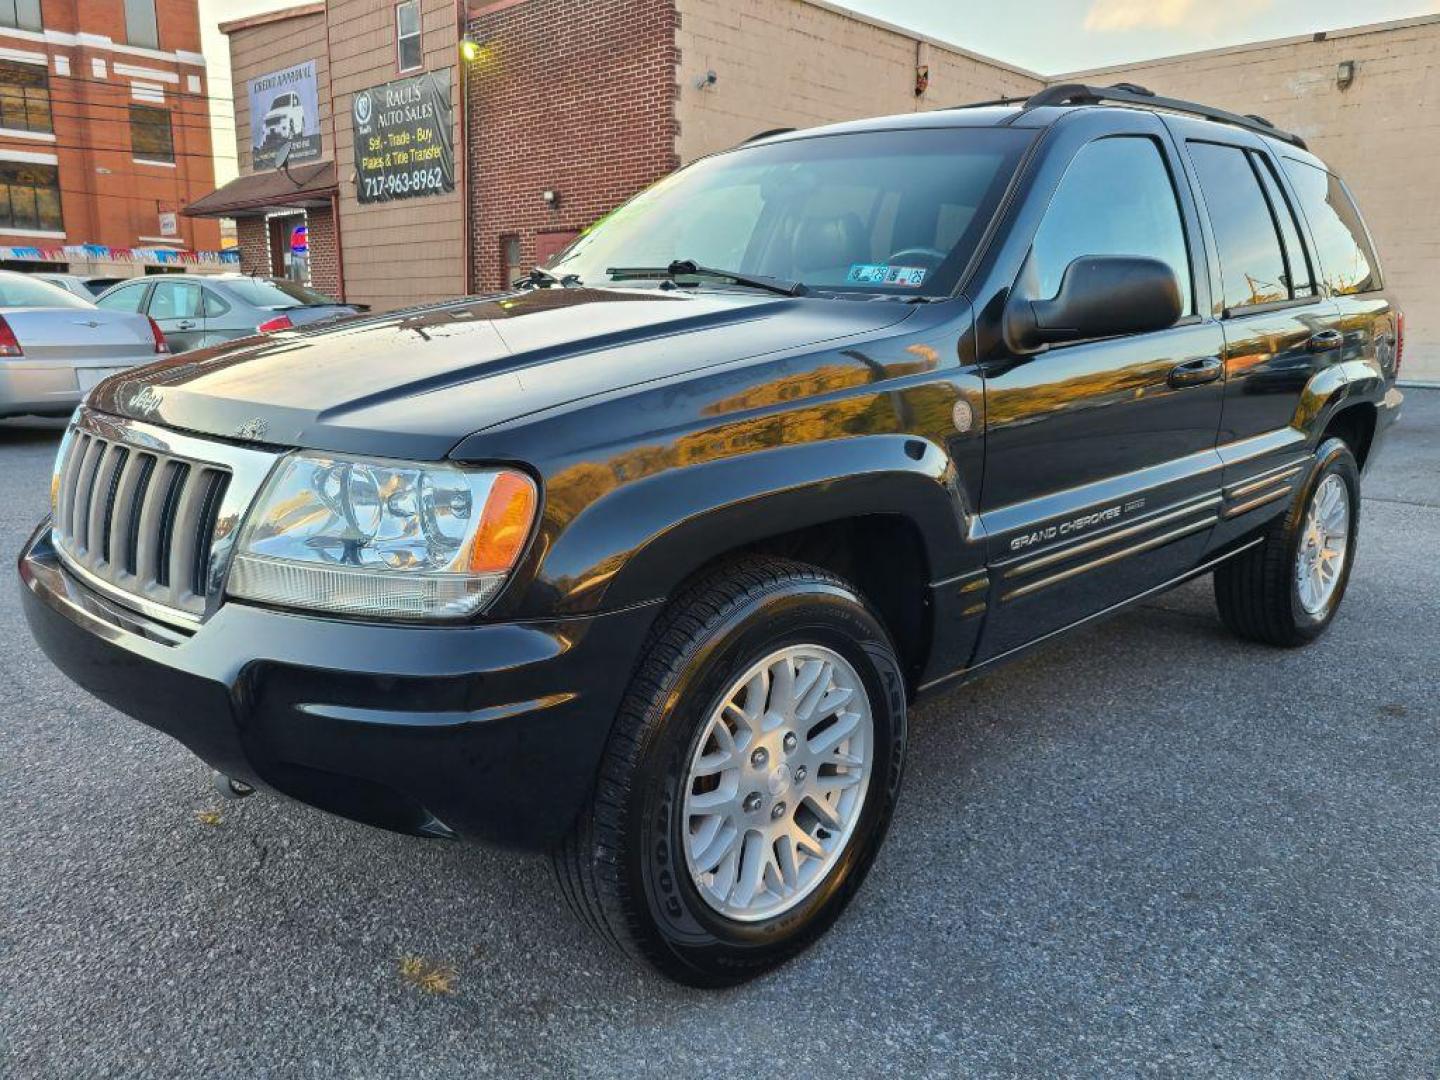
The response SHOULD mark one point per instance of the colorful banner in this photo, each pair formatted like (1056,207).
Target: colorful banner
(101,253)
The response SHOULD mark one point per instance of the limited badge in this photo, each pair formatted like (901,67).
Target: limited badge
(963,416)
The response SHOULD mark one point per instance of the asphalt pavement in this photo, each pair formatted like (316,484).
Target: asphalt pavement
(1148,849)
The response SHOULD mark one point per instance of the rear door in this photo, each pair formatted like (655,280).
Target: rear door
(1347,268)
(178,309)
(1280,327)
(1100,455)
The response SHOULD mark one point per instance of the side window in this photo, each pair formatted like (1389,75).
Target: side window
(1347,262)
(126,299)
(1297,265)
(175,300)
(1116,198)
(213,305)
(1252,263)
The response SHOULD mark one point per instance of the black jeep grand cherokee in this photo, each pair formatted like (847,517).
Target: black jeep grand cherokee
(640,563)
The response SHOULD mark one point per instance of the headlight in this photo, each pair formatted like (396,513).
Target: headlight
(388,539)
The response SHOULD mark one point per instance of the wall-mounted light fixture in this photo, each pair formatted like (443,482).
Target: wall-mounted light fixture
(469,49)
(1345,74)
(551,197)
(704,82)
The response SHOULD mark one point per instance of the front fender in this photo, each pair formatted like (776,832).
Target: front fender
(639,541)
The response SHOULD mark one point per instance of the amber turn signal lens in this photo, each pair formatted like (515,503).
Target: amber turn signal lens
(504,524)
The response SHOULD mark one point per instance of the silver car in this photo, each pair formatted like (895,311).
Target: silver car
(84,286)
(55,346)
(198,310)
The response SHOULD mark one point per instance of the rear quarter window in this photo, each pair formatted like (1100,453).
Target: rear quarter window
(1347,261)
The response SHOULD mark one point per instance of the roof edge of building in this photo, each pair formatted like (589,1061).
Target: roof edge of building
(1248,46)
(264,18)
(916,35)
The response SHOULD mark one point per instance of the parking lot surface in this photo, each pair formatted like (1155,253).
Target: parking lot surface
(1149,848)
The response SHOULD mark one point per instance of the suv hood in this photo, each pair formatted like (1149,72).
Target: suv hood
(413,383)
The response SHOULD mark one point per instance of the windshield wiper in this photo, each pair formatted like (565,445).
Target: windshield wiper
(540,278)
(689,268)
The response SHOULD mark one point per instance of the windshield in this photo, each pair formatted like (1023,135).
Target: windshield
(275,293)
(892,211)
(21,292)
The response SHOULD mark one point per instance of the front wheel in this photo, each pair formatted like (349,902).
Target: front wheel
(750,777)
(1286,590)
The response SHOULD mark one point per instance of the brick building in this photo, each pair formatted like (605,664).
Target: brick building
(104,135)
(570,107)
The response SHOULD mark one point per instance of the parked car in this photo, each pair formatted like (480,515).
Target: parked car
(83,286)
(643,564)
(55,346)
(285,119)
(200,310)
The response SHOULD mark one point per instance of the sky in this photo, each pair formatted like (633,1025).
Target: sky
(1046,36)
(1055,36)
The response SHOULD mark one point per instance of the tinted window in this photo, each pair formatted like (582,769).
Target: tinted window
(1252,265)
(21,291)
(1116,198)
(1296,261)
(30,197)
(175,300)
(150,136)
(895,212)
(126,299)
(1347,262)
(24,95)
(275,293)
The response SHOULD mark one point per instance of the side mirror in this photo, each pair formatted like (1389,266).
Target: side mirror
(1100,296)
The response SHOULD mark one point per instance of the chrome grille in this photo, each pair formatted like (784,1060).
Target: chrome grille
(150,516)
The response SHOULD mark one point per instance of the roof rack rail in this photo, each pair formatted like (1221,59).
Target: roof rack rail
(1131,94)
(765,135)
(990,104)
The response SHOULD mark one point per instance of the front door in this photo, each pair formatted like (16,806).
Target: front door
(1100,464)
(177,308)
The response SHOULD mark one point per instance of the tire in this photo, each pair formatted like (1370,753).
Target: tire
(626,869)
(1259,592)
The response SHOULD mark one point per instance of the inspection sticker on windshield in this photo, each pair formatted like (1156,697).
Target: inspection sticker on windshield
(906,277)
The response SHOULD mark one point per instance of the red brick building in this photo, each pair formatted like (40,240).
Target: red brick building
(104,134)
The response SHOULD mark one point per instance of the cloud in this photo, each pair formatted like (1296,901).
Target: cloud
(1113,15)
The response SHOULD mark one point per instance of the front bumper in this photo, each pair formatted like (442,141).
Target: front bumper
(491,733)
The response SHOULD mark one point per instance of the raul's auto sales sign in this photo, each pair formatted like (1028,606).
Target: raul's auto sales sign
(404,143)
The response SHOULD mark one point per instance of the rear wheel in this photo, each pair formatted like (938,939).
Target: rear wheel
(1286,590)
(750,777)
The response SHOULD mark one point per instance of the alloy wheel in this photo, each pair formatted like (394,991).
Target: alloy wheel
(777,782)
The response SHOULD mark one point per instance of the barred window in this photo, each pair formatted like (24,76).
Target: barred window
(150,135)
(20,14)
(30,197)
(24,96)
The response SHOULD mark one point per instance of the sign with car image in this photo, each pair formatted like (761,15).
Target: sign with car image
(284,110)
(404,144)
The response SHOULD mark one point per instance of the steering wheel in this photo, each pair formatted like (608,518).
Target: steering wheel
(931,257)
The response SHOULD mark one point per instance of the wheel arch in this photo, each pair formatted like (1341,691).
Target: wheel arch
(886,512)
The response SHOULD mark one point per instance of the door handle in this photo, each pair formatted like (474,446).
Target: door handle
(1195,372)
(1325,341)
(185,324)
